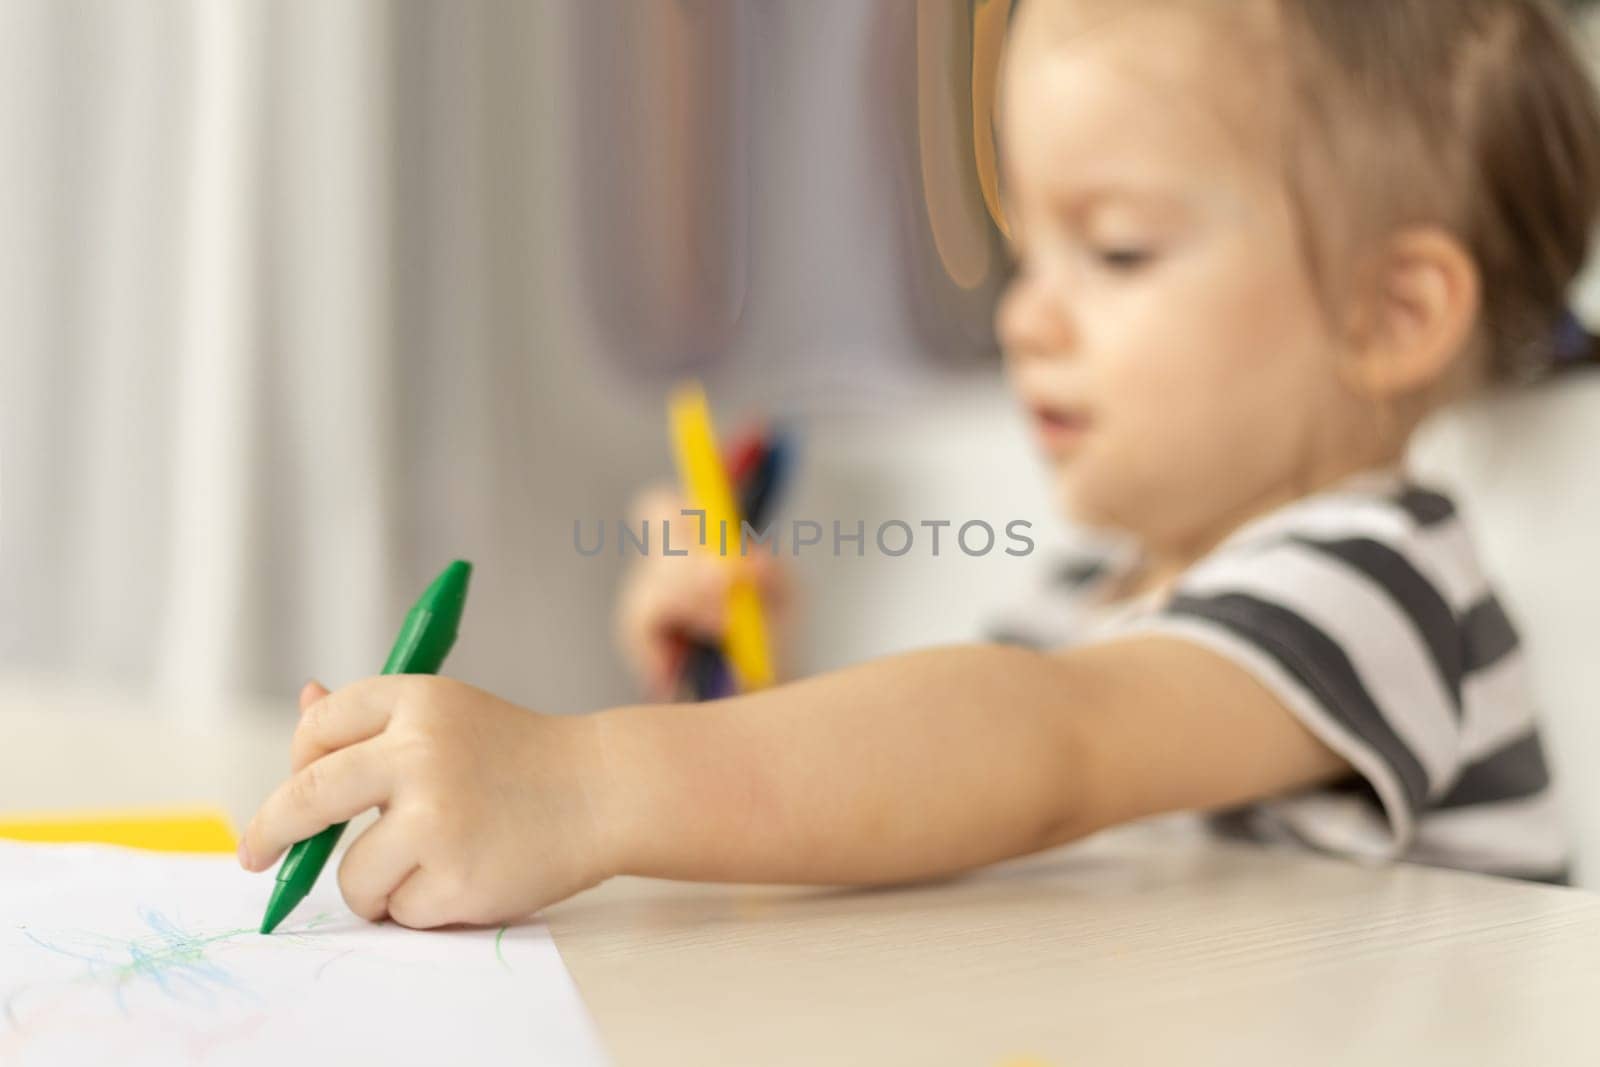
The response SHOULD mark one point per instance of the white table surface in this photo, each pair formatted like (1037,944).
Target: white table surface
(1140,946)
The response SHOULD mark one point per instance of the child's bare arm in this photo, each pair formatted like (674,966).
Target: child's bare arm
(907,767)
(938,761)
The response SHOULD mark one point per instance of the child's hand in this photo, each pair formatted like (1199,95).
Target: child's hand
(667,600)
(486,807)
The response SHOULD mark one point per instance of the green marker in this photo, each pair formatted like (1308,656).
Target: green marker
(424,641)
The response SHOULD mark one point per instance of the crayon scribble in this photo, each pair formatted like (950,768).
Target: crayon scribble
(497,953)
(178,963)
(317,974)
(202,971)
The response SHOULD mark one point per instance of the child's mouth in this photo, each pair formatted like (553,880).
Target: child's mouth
(1059,430)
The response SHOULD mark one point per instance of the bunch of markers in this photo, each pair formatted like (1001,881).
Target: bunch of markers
(741,486)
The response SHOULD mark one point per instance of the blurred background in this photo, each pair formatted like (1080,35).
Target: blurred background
(300,300)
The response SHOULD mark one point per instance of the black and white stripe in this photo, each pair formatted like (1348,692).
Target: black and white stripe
(1365,610)
(1061,612)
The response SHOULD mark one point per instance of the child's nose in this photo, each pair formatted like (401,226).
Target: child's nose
(1031,323)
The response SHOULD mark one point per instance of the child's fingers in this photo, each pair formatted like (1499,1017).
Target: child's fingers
(310,693)
(334,789)
(661,607)
(769,575)
(342,718)
(377,862)
(657,664)
(696,602)
(699,588)
(658,668)
(423,900)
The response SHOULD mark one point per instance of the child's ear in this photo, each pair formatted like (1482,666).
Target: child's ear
(1418,315)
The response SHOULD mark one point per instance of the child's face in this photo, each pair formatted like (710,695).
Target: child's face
(1162,329)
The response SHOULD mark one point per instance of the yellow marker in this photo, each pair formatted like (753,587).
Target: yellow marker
(159,829)
(705,481)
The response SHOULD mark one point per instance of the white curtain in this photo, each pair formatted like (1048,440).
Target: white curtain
(276,347)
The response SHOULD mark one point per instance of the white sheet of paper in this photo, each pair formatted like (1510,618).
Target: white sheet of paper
(111,955)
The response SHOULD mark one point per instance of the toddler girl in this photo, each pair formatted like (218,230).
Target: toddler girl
(1258,242)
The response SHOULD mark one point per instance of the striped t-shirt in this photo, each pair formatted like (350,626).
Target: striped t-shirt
(1365,611)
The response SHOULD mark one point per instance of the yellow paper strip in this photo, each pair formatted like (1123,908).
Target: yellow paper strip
(158,829)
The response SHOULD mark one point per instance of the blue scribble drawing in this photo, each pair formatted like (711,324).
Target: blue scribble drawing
(199,991)
(177,962)
(180,965)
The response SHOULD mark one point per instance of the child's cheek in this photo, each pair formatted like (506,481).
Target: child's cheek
(1178,428)
(1142,451)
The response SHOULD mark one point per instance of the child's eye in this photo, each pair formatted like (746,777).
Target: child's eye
(1125,260)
